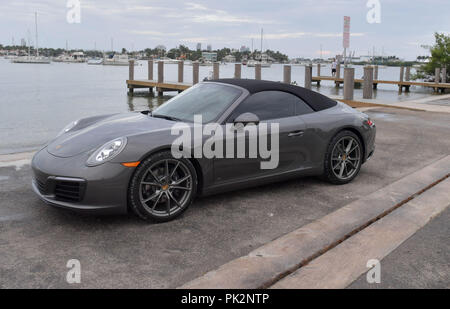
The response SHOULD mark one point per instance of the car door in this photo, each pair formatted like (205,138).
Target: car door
(272,107)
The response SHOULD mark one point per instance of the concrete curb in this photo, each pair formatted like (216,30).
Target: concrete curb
(342,265)
(267,264)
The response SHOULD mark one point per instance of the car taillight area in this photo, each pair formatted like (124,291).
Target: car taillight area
(370,123)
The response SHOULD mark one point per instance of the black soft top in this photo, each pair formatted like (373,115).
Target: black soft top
(316,100)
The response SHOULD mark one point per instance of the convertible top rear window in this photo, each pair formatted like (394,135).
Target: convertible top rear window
(315,100)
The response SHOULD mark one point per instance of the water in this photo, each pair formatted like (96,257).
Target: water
(37,101)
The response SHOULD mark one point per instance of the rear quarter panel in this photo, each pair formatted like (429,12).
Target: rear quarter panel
(322,126)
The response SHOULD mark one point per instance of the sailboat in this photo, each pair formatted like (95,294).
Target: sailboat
(263,58)
(33,59)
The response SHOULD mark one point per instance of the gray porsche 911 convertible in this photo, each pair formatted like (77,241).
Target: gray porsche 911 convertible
(120,162)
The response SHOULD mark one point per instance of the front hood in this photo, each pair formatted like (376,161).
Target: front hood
(94,135)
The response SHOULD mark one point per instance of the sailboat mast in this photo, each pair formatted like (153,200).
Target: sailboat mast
(35,21)
(29,42)
(261,42)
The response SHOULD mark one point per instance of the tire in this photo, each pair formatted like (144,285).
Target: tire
(162,187)
(342,164)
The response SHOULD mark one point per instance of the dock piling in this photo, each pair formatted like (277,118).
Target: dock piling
(131,70)
(215,70)
(318,70)
(308,76)
(349,83)
(180,71)
(287,74)
(160,71)
(407,78)
(237,70)
(437,75)
(160,77)
(338,74)
(130,76)
(195,72)
(258,71)
(408,74)
(437,78)
(150,70)
(150,74)
(375,77)
(368,82)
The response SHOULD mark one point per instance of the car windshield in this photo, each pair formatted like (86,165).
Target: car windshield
(206,99)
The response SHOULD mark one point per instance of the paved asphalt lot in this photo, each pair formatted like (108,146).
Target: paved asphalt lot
(36,240)
(421,262)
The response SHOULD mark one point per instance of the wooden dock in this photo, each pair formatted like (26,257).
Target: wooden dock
(402,84)
(160,87)
(369,82)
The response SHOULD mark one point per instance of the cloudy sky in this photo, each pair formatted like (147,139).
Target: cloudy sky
(297,28)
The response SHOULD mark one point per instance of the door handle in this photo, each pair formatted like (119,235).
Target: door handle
(296,133)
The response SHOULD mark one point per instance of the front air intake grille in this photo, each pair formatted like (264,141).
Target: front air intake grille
(69,191)
(40,185)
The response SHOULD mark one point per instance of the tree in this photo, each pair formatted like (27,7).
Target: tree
(440,57)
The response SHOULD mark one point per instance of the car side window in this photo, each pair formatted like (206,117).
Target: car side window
(269,105)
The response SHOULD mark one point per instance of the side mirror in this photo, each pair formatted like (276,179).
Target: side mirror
(246,118)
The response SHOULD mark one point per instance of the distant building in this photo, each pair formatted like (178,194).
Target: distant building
(199,46)
(209,56)
(208,47)
(23,43)
(244,49)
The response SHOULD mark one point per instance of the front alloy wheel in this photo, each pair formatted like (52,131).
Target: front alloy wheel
(162,187)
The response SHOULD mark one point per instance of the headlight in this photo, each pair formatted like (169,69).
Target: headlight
(107,152)
(67,128)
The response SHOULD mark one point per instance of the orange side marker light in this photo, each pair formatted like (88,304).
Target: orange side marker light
(131,164)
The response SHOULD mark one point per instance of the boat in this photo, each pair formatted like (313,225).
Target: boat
(95,61)
(206,64)
(264,63)
(8,56)
(117,60)
(264,58)
(168,60)
(201,62)
(76,57)
(29,58)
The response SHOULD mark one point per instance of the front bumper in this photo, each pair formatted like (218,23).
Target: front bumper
(69,183)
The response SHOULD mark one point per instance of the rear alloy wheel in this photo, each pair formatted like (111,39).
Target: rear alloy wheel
(162,187)
(343,158)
